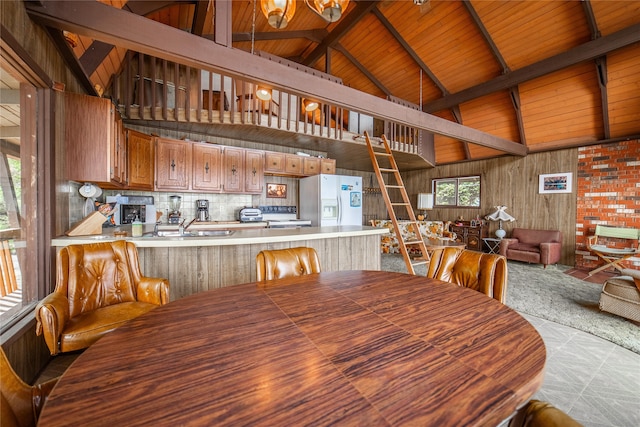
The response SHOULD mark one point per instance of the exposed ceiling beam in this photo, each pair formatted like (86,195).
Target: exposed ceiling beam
(344,26)
(94,55)
(315,36)
(486,36)
(146,7)
(129,31)
(199,17)
(383,19)
(70,58)
(585,52)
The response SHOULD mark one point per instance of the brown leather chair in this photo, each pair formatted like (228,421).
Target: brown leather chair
(99,287)
(20,403)
(281,263)
(537,413)
(486,273)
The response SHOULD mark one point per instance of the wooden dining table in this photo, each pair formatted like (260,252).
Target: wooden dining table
(368,348)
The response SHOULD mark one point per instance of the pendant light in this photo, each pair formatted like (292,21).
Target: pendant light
(263,93)
(329,10)
(278,12)
(310,105)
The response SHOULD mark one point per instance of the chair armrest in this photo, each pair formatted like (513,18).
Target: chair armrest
(504,244)
(550,252)
(52,314)
(153,290)
(40,392)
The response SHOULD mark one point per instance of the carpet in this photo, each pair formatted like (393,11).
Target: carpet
(553,295)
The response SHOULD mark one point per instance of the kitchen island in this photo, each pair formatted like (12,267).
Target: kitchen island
(195,264)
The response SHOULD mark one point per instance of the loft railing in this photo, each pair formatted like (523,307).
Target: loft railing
(150,88)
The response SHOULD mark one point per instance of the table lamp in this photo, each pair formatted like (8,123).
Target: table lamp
(425,202)
(500,215)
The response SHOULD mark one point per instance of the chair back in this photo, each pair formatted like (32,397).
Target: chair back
(20,403)
(537,413)
(105,271)
(486,273)
(281,263)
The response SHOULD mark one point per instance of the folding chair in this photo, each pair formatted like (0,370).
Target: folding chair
(613,257)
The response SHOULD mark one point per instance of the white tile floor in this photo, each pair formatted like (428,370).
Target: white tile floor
(593,380)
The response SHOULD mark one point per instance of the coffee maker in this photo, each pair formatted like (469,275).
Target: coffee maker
(202,207)
(174,205)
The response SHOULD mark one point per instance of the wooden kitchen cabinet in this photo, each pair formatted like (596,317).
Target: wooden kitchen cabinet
(328,166)
(311,166)
(293,165)
(470,236)
(274,162)
(253,171)
(207,167)
(233,170)
(173,164)
(141,160)
(94,146)
(243,170)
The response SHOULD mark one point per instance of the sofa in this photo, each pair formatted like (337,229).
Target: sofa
(533,246)
(428,230)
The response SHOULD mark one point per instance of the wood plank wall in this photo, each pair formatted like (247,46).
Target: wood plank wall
(512,182)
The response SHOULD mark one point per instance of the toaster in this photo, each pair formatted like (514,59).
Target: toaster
(250,215)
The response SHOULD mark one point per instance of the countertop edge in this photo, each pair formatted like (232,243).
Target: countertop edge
(239,237)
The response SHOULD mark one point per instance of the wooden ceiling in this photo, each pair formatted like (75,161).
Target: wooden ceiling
(544,74)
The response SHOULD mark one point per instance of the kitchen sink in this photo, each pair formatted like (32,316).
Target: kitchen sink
(195,233)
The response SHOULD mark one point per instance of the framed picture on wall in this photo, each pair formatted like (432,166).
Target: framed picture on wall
(278,191)
(555,183)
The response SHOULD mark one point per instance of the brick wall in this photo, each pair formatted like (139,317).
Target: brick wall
(608,188)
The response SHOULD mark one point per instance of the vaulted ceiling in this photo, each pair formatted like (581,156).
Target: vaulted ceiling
(543,74)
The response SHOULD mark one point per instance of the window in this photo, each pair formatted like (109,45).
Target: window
(457,192)
(23,249)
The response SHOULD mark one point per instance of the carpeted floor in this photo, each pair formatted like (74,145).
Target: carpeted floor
(553,295)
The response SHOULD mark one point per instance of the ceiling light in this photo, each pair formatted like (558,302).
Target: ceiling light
(329,10)
(278,12)
(310,105)
(263,93)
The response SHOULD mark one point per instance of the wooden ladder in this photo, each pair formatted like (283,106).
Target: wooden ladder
(392,168)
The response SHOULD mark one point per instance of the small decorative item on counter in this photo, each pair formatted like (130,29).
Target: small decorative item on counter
(136,228)
(120,234)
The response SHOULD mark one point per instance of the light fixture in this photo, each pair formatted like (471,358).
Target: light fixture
(500,215)
(329,10)
(310,105)
(278,12)
(263,93)
(425,202)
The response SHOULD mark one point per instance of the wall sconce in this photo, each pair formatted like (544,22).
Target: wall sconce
(310,105)
(425,203)
(263,93)
(278,12)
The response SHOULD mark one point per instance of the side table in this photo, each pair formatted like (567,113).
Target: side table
(493,244)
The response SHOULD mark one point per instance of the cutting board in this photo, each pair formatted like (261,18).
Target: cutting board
(91,224)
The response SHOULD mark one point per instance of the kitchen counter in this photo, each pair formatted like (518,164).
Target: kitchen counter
(240,236)
(196,264)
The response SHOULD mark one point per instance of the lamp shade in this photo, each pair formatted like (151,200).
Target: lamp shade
(310,105)
(263,93)
(500,215)
(425,201)
(278,12)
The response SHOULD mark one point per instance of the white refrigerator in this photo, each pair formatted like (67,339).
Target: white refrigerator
(331,200)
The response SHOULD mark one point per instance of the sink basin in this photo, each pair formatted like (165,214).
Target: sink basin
(195,233)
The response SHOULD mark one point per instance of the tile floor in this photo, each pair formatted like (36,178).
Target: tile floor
(593,380)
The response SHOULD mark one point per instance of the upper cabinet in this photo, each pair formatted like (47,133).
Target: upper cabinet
(243,170)
(94,143)
(141,160)
(173,164)
(210,168)
(207,167)
(284,164)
